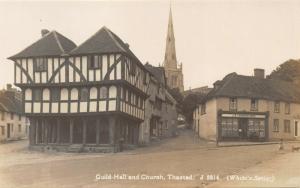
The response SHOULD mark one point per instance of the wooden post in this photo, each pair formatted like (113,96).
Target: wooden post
(32,132)
(84,132)
(58,131)
(112,123)
(97,131)
(46,131)
(71,130)
(37,131)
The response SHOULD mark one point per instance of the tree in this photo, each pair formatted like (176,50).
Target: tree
(189,104)
(287,71)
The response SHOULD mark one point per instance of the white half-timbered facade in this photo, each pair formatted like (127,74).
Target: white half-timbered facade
(93,94)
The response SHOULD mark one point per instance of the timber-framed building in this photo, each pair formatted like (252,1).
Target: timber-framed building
(82,98)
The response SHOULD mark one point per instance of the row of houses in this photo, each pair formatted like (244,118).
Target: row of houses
(13,124)
(91,97)
(249,108)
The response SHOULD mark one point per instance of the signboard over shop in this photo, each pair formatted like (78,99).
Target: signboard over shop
(245,116)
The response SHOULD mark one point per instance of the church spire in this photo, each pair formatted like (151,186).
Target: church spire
(170,54)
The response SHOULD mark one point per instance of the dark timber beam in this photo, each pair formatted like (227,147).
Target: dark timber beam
(97,131)
(71,130)
(58,131)
(84,132)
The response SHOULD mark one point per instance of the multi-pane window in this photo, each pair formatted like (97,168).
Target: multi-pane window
(37,94)
(287,109)
(232,104)
(103,93)
(40,64)
(84,95)
(254,105)
(276,106)
(276,125)
(20,128)
(55,95)
(94,62)
(287,126)
(2,130)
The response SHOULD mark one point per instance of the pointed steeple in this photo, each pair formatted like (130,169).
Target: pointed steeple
(170,54)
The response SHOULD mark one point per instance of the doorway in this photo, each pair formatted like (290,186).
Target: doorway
(8,130)
(243,127)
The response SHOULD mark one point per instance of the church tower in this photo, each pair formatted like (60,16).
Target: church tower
(173,71)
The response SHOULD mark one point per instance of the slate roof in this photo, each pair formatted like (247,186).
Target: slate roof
(9,105)
(52,44)
(239,86)
(157,72)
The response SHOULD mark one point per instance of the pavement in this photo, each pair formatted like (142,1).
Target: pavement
(282,171)
(181,157)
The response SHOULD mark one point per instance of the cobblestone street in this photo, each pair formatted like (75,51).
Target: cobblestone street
(181,156)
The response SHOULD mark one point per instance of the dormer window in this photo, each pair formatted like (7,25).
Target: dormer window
(94,62)
(40,64)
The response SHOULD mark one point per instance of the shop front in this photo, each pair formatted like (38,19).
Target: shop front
(242,126)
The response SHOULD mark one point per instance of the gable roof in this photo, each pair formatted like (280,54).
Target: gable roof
(52,44)
(103,41)
(234,85)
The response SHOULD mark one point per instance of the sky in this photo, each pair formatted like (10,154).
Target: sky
(213,37)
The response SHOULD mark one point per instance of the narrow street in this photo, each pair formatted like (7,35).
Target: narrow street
(181,156)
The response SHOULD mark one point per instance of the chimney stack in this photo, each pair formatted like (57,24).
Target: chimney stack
(44,32)
(259,73)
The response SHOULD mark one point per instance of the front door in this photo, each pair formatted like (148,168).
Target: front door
(243,127)
(296,129)
(8,130)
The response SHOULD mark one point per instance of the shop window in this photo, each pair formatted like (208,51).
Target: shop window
(232,104)
(287,108)
(276,125)
(254,105)
(230,127)
(277,107)
(287,126)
